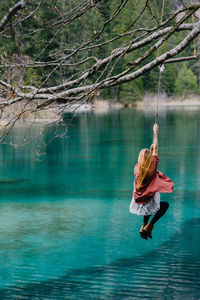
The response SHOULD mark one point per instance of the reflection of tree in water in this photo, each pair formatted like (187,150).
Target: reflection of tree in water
(104,148)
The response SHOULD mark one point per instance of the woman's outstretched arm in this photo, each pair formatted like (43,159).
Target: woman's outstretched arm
(154,147)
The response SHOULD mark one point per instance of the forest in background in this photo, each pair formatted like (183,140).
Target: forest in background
(29,42)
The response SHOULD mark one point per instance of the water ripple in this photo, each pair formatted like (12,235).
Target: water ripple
(158,274)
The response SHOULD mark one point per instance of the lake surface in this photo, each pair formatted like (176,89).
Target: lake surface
(65,228)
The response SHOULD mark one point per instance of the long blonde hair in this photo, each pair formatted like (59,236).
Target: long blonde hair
(145,162)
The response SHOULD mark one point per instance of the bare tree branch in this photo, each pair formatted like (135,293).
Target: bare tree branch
(19,5)
(88,70)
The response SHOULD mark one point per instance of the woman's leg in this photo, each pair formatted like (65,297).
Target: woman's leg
(148,228)
(143,233)
(163,208)
(146,219)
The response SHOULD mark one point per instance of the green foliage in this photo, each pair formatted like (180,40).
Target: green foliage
(42,41)
(131,91)
(186,82)
(169,76)
(150,80)
(31,78)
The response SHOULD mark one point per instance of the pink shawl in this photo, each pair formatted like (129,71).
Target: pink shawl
(157,182)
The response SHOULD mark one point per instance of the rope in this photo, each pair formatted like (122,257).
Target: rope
(161,68)
(195,48)
(161,19)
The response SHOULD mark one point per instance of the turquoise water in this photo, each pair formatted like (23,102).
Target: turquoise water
(65,228)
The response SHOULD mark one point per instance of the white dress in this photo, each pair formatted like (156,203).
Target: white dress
(147,209)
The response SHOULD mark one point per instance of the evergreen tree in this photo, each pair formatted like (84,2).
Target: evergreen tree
(186,82)
(42,40)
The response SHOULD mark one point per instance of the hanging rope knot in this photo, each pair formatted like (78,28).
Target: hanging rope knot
(161,67)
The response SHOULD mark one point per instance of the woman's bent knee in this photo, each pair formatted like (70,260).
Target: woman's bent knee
(164,205)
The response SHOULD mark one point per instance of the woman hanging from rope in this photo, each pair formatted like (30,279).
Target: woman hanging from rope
(148,184)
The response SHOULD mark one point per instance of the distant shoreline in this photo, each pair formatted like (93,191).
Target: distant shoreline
(102,106)
(151,100)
